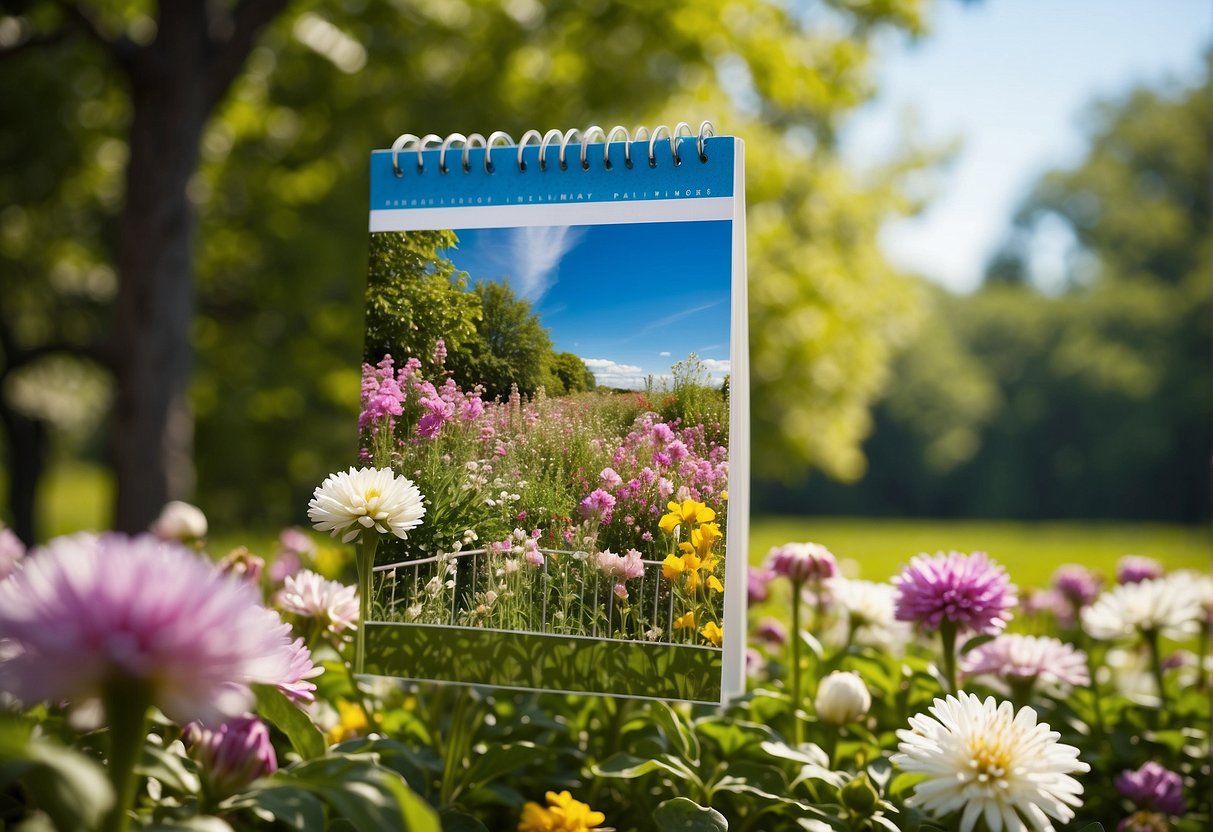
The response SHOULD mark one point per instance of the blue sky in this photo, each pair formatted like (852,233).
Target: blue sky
(1011,79)
(628,299)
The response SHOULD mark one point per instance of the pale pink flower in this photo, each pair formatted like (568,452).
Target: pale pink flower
(802,562)
(295,684)
(309,595)
(87,612)
(1017,659)
(610,479)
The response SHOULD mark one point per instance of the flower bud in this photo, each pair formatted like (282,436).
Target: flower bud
(233,755)
(180,521)
(842,698)
(860,796)
(243,564)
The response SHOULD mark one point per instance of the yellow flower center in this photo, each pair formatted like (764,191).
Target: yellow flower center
(988,761)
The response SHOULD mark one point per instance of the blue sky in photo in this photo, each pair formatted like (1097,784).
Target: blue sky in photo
(1012,82)
(630,300)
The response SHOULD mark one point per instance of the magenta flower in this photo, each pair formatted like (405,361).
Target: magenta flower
(1024,660)
(969,591)
(1153,787)
(1133,569)
(382,396)
(802,562)
(757,580)
(610,478)
(1078,584)
(231,756)
(770,631)
(597,506)
(12,550)
(87,613)
(439,352)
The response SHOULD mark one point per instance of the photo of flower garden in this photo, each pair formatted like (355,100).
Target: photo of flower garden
(558,499)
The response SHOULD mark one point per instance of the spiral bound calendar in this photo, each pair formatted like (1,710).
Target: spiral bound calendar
(555,355)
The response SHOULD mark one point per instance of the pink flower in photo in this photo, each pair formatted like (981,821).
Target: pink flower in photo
(439,355)
(802,562)
(970,591)
(610,479)
(597,506)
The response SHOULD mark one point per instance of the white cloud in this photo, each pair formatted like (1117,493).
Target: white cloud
(664,353)
(536,253)
(717,366)
(613,374)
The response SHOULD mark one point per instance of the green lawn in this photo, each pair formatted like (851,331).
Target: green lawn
(78,497)
(1029,551)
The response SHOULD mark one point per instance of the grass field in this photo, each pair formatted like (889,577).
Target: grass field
(78,497)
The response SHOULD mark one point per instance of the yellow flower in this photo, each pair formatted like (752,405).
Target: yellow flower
(351,723)
(672,567)
(683,622)
(712,632)
(714,583)
(724,496)
(562,814)
(702,540)
(688,511)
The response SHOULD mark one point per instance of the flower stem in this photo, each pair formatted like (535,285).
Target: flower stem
(1151,637)
(365,560)
(126,706)
(797,726)
(947,635)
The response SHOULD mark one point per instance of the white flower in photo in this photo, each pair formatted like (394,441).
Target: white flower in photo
(434,585)
(313,596)
(842,698)
(1167,606)
(366,498)
(984,760)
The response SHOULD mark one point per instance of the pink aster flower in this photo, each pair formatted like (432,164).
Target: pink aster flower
(1133,569)
(1021,661)
(1153,787)
(330,603)
(802,562)
(231,756)
(88,613)
(610,478)
(970,592)
(1078,584)
(294,684)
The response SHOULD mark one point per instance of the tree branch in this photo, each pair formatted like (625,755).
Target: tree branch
(233,42)
(119,47)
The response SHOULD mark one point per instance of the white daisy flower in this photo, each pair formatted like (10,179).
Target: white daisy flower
(984,760)
(1167,606)
(868,610)
(314,596)
(366,498)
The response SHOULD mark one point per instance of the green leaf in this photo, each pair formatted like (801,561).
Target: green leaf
(174,771)
(627,767)
(453,821)
(363,792)
(974,643)
(291,807)
(684,739)
(305,737)
(684,815)
(71,788)
(496,761)
(200,823)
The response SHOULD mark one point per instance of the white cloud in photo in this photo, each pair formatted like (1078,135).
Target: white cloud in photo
(535,253)
(717,366)
(664,353)
(610,373)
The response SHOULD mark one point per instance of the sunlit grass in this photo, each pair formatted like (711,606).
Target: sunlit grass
(79,496)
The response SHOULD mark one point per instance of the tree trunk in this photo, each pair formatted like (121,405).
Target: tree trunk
(153,427)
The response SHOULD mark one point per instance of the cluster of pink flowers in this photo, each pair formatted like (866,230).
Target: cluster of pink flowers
(598,505)
(623,567)
(520,542)
(386,392)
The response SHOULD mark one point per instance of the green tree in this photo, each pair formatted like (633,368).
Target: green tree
(572,374)
(270,185)
(511,347)
(414,297)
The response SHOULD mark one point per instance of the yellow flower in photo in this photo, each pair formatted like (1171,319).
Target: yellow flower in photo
(712,632)
(715,584)
(684,622)
(672,567)
(564,813)
(702,540)
(686,512)
(724,496)
(351,723)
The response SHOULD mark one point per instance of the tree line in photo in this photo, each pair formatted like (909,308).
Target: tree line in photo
(415,297)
